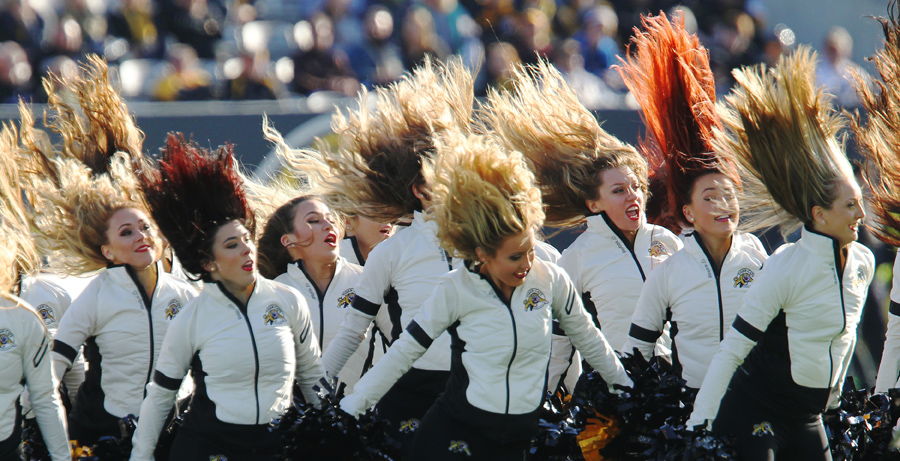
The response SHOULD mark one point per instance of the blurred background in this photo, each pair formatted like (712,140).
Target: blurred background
(212,68)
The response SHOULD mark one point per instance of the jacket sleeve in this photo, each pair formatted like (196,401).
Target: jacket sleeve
(437,313)
(308,372)
(76,326)
(45,401)
(178,349)
(374,283)
(649,318)
(889,370)
(569,311)
(763,301)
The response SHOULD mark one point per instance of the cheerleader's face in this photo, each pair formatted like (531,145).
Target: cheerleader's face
(509,265)
(842,221)
(314,237)
(621,197)
(234,258)
(131,239)
(367,232)
(713,211)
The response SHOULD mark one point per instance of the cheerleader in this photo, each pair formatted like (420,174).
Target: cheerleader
(786,356)
(377,172)
(498,309)
(24,340)
(879,141)
(244,338)
(587,177)
(362,234)
(91,219)
(698,290)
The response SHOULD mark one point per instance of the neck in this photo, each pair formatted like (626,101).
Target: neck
(148,277)
(716,245)
(504,289)
(242,293)
(365,248)
(321,272)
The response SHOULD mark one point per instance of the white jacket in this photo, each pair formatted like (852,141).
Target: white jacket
(699,301)
(244,359)
(401,272)
(500,350)
(609,271)
(122,338)
(801,315)
(889,370)
(24,359)
(327,311)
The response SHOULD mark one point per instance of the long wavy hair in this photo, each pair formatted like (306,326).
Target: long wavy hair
(562,141)
(482,194)
(782,132)
(18,256)
(191,192)
(879,135)
(380,152)
(669,75)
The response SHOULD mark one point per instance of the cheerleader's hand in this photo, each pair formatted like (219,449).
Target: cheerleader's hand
(353,405)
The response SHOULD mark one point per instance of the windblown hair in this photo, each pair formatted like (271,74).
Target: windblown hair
(265,196)
(782,132)
(273,257)
(97,123)
(879,136)
(482,194)
(670,77)
(18,255)
(191,192)
(542,118)
(380,153)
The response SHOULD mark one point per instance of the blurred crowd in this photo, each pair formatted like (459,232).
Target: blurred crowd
(169,50)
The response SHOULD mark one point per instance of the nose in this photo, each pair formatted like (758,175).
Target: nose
(860,212)
(529,261)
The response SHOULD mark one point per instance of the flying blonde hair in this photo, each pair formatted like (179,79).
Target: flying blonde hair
(380,153)
(542,118)
(879,136)
(482,194)
(782,133)
(18,255)
(670,76)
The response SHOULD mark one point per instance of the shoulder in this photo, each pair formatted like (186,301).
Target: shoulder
(664,236)
(545,251)
(177,284)
(864,253)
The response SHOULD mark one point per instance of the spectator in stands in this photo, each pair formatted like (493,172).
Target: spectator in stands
(501,59)
(592,90)
(533,38)
(448,16)
(133,21)
(15,73)
(21,24)
(253,81)
(183,79)
(597,38)
(834,70)
(420,38)
(318,67)
(197,23)
(378,60)
(347,26)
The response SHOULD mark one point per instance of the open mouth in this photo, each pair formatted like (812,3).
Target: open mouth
(724,218)
(633,212)
(386,230)
(143,249)
(854,227)
(248,266)
(331,239)
(521,275)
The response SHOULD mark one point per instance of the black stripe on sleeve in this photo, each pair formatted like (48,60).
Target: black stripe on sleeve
(419,334)
(557,329)
(41,352)
(642,334)
(64,350)
(365,306)
(895,308)
(751,332)
(164,381)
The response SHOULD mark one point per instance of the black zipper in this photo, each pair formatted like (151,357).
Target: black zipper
(321,297)
(839,271)
(717,272)
(628,243)
(147,304)
(354,243)
(244,308)
(508,304)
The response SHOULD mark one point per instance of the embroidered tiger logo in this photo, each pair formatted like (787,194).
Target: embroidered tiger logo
(172,309)
(858,280)
(46,313)
(743,278)
(535,300)
(346,298)
(7,340)
(218,458)
(762,429)
(410,425)
(658,249)
(274,315)
(459,446)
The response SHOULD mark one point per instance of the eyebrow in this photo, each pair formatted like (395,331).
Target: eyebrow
(126,224)
(709,188)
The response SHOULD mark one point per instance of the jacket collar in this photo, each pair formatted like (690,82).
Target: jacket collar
(218,291)
(601,223)
(819,244)
(693,242)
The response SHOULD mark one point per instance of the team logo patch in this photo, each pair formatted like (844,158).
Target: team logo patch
(173,309)
(346,298)
(658,248)
(535,300)
(858,280)
(762,429)
(46,313)
(743,278)
(7,340)
(410,425)
(460,446)
(218,458)
(274,315)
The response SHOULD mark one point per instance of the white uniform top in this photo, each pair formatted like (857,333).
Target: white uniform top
(609,271)
(546,252)
(401,272)
(122,332)
(351,252)
(889,370)
(24,359)
(327,311)
(699,301)
(803,310)
(244,358)
(500,348)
